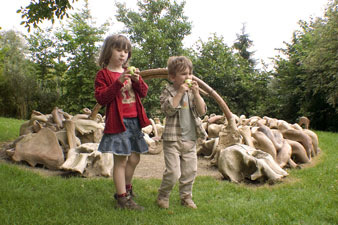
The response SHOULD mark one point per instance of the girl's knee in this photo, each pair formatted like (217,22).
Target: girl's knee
(134,159)
(120,160)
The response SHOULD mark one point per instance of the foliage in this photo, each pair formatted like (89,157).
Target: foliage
(49,66)
(62,65)
(66,62)
(79,42)
(18,86)
(232,77)
(306,80)
(37,11)
(157,31)
(31,198)
(242,44)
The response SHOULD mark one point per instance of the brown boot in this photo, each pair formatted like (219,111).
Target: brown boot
(188,202)
(129,189)
(163,202)
(126,202)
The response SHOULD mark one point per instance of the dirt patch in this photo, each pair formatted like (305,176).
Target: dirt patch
(150,166)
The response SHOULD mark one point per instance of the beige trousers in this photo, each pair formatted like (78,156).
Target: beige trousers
(181,164)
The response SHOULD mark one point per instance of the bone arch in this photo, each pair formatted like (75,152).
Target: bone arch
(162,73)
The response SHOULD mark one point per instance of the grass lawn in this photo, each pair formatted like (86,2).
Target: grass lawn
(307,196)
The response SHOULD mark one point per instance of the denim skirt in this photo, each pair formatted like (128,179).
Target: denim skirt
(126,142)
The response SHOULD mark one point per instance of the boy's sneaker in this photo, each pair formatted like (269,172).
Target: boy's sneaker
(163,202)
(188,202)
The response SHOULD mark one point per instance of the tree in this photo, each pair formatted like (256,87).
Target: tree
(65,63)
(36,12)
(17,81)
(308,77)
(156,31)
(50,68)
(242,44)
(321,60)
(230,75)
(80,44)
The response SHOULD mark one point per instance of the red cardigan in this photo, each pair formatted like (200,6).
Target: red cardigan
(107,93)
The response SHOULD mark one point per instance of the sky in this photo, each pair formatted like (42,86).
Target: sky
(269,23)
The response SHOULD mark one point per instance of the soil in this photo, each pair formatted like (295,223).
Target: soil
(150,166)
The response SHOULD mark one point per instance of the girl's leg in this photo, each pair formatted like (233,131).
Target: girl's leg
(132,162)
(119,173)
(123,199)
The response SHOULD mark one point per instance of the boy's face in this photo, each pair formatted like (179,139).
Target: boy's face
(180,77)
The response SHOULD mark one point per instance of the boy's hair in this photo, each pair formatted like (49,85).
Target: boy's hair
(178,64)
(113,41)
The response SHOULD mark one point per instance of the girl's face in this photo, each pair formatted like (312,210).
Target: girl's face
(119,56)
(180,77)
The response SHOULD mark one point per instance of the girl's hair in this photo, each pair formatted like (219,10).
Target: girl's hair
(113,41)
(179,64)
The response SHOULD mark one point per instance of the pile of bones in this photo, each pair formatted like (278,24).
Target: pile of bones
(255,148)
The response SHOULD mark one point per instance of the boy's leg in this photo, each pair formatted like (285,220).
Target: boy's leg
(171,173)
(188,172)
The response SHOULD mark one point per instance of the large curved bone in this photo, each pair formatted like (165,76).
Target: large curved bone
(304,121)
(298,152)
(263,143)
(267,131)
(207,147)
(70,129)
(214,130)
(34,122)
(95,111)
(58,117)
(40,148)
(314,139)
(284,155)
(246,134)
(239,161)
(163,73)
(301,137)
(87,126)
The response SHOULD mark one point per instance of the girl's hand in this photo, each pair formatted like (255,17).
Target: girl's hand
(123,77)
(136,75)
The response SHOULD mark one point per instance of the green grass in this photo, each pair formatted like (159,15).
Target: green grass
(306,196)
(9,128)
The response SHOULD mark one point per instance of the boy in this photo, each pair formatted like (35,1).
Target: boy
(182,105)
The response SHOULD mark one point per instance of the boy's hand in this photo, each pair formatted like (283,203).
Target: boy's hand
(183,88)
(195,88)
(193,85)
(189,82)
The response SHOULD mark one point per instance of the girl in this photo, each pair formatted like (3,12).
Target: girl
(120,92)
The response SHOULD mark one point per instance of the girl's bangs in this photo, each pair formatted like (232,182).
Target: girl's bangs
(122,44)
